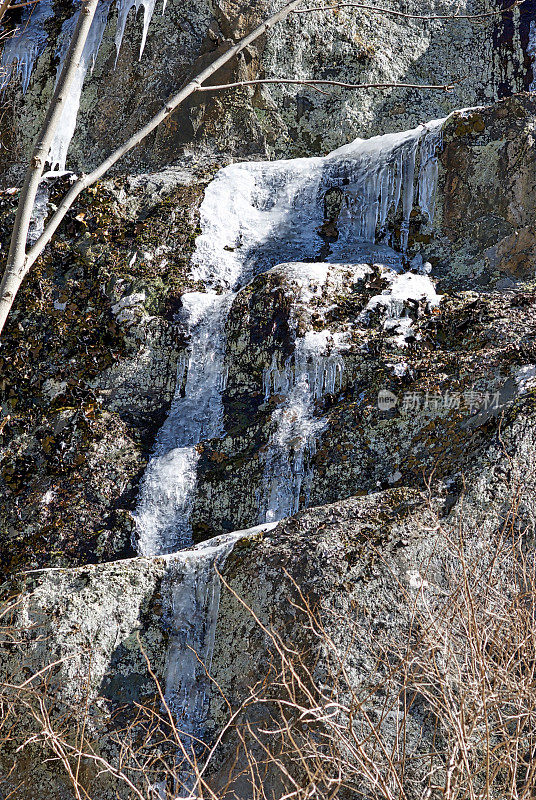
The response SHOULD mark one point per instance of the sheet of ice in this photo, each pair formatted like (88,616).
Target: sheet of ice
(408,286)
(167,488)
(192,588)
(258,214)
(21,51)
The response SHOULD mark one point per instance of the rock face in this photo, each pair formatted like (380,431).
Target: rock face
(82,405)
(89,363)
(347,46)
(363,562)
(484,222)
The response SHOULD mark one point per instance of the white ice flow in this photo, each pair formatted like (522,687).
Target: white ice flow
(193,611)
(168,486)
(22,50)
(287,469)
(531,52)
(254,216)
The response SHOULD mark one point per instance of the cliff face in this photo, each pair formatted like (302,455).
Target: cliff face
(372,568)
(342,344)
(122,92)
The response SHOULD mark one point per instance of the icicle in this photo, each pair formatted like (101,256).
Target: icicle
(429,169)
(276,381)
(287,473)
(23,49)
(123,9)
(531,52)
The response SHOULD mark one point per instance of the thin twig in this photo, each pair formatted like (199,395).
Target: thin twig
(314,83)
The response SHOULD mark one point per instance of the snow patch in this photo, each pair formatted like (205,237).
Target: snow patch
(403,297)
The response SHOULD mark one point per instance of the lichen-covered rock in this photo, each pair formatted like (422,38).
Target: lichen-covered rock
(105,623)
(483,232)
(363,560)
(89,361)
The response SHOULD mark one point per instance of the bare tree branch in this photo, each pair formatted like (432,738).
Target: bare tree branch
(4,8)
(444,87)
(22,5)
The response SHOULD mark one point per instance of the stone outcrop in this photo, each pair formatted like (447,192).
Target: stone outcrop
(361,563)
(108,360)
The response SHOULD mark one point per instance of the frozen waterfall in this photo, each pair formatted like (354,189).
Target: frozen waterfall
(168,486)
(194,596)
(67,124)
(256,215)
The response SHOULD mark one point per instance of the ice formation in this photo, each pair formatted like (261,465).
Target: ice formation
(193,591)
(258,214)
(314,370)
(123,8)
(403,297)
(307,376)
(23,49)
(167,488)
(21,52)
(531,52)
(254,216)
(66,126)
(193,610)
